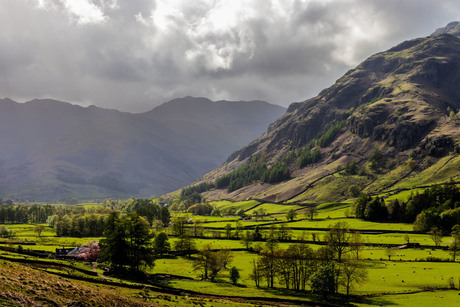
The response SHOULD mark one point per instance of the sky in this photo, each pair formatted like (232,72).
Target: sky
(133,55)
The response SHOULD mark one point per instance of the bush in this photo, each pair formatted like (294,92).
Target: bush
(234,275)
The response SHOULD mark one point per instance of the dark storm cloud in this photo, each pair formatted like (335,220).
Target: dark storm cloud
(132,55)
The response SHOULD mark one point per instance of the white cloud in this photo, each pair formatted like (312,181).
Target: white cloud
(134,54)
(82,11)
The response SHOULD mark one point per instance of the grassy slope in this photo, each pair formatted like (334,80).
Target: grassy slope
(23,285)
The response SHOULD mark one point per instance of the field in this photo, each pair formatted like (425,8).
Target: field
(409,278)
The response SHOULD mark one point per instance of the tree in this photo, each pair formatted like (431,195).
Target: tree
(354,190)
(284,233)
(407,238)
(165,216)
(390,252)
(198,229)
(256,273)
(178,225)
(219,261)
(139,239)
(455,245)
(202,261)
(352,272)
(337,239)
(90,251)
(267,263)
(238,229)
(185,244)
(228,231)
(113,244)
(234,275)
(291,215)
(375,210)
(377,160)
(299,265)
(246,239)
(127,242)
(161,244)
(356,244)
(311,212)
(360,205)
(39,229)
(426,220)
(436,235)
(210,262)
(257,234)
(5,233)
(323,281)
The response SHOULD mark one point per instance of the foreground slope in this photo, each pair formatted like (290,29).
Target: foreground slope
(403,101)
(55,151)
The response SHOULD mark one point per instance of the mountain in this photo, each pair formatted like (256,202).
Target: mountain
(395,116)
(53,150)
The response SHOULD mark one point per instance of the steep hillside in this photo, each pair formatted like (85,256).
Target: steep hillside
(403,102)
(55,151)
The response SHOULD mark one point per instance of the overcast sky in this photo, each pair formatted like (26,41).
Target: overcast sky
(132,55)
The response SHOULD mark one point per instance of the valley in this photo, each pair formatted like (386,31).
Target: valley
(351,198)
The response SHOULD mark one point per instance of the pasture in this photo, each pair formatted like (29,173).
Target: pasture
(405,280)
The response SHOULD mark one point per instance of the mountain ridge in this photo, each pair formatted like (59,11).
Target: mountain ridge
(59,150)
(403,102)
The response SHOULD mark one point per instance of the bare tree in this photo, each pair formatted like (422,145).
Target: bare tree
(337,239)
(352,272)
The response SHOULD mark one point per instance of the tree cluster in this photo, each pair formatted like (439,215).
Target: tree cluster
(370,209)
(88,225)
(6,233)
(323,270)
(150,210)
(127,242)
(377,160)
(437,206)
(211,262)
(253,171)
(200,209)
(308,157)
(198,188)
(327,137)
(11,213)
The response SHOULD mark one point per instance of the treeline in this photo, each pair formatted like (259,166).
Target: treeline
(252,171)
(198,188)
(92,225)
(437,206)
(11,213)
(77,225)
(246,174)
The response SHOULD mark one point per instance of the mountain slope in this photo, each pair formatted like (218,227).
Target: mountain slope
(53,150)
(403,101)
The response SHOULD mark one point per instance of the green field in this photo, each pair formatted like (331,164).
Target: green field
(407,279)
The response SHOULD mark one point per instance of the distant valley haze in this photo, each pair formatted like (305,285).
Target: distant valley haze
(52,150)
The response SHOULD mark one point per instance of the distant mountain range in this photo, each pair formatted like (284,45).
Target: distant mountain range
(52,150)
(402,104)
